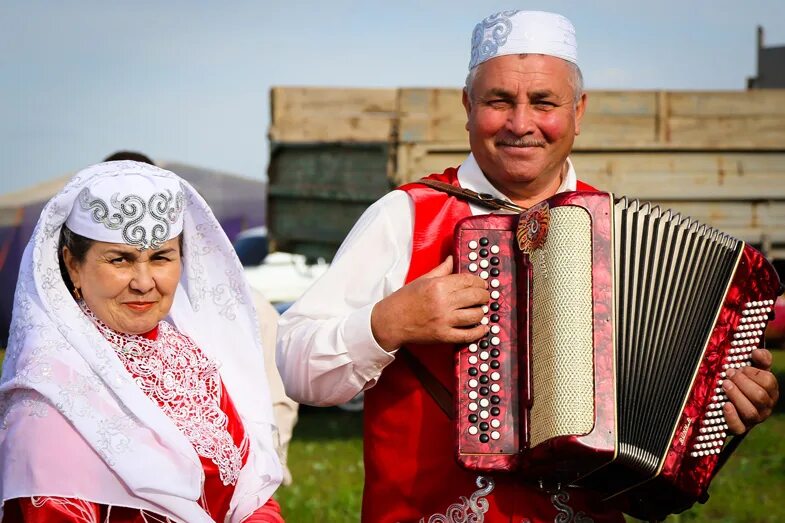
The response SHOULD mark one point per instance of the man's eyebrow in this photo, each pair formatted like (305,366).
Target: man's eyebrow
(498,92)
(540,94)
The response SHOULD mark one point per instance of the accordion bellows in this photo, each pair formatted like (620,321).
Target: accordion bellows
(612,325)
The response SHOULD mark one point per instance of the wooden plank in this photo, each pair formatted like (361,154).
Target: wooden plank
(686,176)
(743,104)
(429,115)
(724,132)
(339,128)
(313,114)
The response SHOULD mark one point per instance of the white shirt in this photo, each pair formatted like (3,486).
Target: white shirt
(326,352)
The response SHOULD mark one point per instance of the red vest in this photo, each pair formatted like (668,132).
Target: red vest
(409,443)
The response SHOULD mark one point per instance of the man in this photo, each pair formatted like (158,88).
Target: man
(390,286)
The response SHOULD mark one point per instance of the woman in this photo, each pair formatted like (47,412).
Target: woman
(134,387)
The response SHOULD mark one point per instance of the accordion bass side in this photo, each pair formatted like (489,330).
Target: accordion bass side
(612,325)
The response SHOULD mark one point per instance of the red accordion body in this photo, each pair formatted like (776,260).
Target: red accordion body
(612,324)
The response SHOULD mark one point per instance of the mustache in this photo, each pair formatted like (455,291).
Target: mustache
(523,141)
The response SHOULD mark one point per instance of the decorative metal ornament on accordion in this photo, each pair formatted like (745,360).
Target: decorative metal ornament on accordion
(612,324)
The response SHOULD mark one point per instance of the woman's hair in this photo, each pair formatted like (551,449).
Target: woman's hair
(78,245)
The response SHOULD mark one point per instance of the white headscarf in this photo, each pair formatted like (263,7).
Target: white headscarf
(74,424)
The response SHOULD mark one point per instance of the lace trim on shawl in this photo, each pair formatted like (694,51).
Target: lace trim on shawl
(84,511)
(173,372)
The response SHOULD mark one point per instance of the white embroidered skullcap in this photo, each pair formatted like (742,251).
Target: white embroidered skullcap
(131,203)
(523,32)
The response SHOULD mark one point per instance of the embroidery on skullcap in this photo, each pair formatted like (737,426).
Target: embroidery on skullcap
(523,32)
(489,35)
(136,207)
(162,208)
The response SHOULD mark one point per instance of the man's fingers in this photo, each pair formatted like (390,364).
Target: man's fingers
(466,335)
(735,425)
(467,317)
(752,394)
(762,359)
(443,269)
(469,297)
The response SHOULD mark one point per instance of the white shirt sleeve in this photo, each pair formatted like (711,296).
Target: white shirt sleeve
(326,352)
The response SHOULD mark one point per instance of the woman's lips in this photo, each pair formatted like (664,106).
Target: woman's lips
(140,306)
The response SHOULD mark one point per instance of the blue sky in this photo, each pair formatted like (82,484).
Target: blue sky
(188,81)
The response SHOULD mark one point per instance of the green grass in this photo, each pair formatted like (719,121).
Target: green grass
(325,458)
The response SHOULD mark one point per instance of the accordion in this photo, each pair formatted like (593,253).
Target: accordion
(612,325)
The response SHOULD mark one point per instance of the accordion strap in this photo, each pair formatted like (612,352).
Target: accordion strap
(482,199)
(430,383)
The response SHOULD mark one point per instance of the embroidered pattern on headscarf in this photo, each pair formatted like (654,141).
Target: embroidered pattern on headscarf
(163,207)
(489,35)
(470,510)
(172,371)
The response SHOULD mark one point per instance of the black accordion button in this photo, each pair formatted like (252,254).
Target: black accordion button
(484,426)
(495,260)
(484,391)
(494,272)
(495,353)
(495,411)
(472,418)
(484,344)
(484,380)
(495,400)
(495,364)
(484,438)
(484,253)
(495,306)
(495,318)
(473,371)
(484,241)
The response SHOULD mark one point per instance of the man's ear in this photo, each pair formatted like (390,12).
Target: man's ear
(72,266)
(580,108)
(467,105)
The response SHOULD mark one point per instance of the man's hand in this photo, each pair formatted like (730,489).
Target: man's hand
(437,307)
(752,391)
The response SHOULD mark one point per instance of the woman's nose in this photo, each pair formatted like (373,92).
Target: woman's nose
(142,280)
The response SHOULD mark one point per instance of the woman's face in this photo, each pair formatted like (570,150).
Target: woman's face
(128,289)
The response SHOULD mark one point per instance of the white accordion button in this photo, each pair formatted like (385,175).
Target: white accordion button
(495,340)
(472,383)
(495,435)
(484,367)
(473,430)
(494,249)
(473,256)
(495,283)
(495,295)
(484,264)
(472,406)
(495,423)
(473,267)
(484,275)
(484,403)
(472,244)
(495,329)
(495,376)
(472,360)
(473,394)
(485,309)
(484,355)
(484,414)
(495,387)
(484,320)
(473,347)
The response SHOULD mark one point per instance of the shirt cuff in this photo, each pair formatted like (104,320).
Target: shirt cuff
(367,356)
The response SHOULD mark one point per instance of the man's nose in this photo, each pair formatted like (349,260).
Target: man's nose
(520,120)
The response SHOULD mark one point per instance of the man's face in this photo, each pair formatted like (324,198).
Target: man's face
(522,120)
